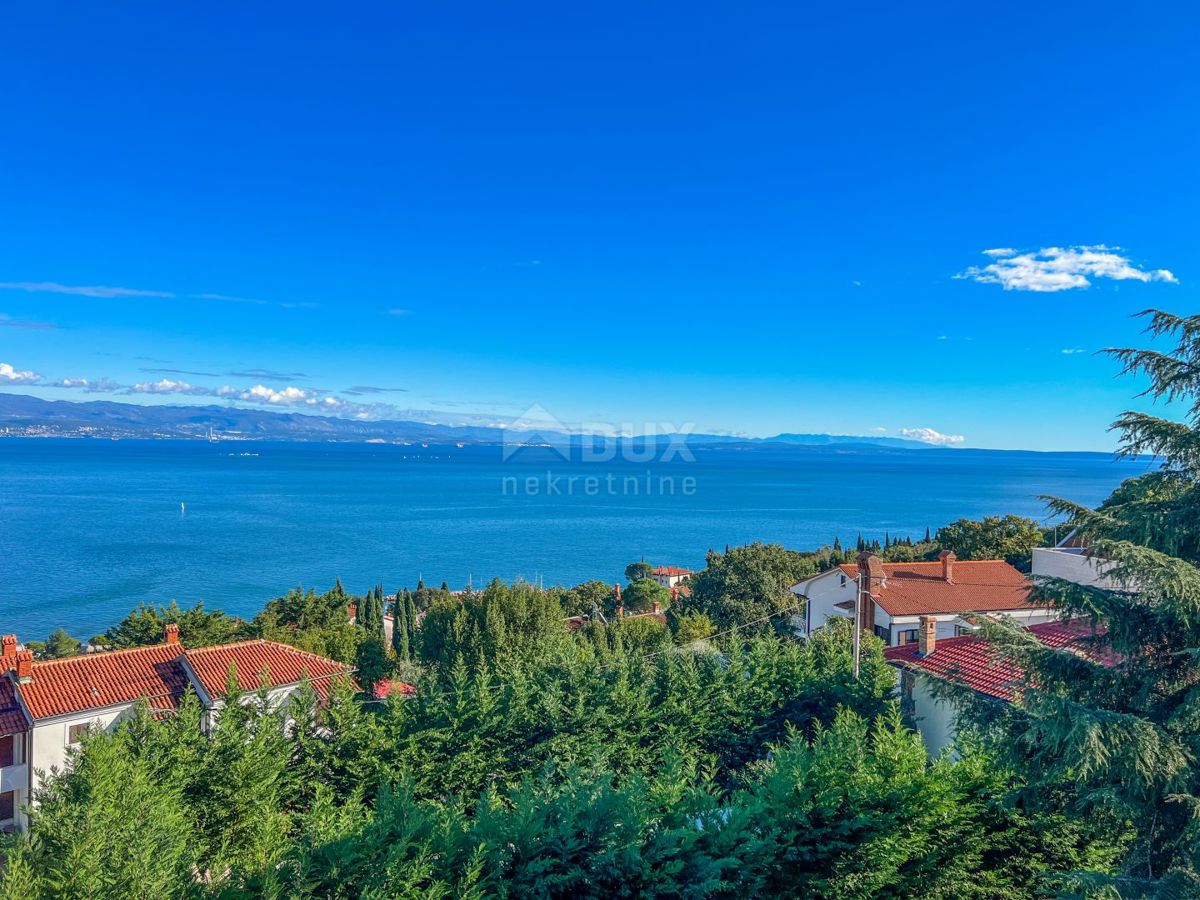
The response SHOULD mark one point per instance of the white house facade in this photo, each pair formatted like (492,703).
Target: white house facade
(670,576)
(1071,560)
(898,595)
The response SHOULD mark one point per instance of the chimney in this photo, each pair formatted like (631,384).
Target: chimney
(873,566)
(171,633)
(926,635)
(352,612)
(674,594)
(8,647)
(657,608)
(24,666)
(947,557)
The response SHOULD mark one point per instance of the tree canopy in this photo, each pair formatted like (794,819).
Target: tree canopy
(1011,538)
(747,584)
(1115,735)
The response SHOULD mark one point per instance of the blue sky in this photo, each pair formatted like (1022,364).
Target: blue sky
(746,217)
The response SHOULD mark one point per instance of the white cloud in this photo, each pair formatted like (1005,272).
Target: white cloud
(260,393)
(397,311)
(1072,350)
(167,386)
(82,290)
(929,436)
(9,375)
(1060,268)
(89,385)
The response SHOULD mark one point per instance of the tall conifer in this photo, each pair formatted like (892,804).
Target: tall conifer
(1116,732)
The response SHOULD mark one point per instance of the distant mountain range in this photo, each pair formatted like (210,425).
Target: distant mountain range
(24,416)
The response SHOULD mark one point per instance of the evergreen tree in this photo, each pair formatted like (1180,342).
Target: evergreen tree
(400,627)
(1116,733)
(410,618)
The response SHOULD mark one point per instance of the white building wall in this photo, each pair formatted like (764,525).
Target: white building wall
(948,624)
(49,738)
(1072,564)
(669,581)
(823,593)
(936,719)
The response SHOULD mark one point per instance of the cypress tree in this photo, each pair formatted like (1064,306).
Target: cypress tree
(400,629)
(410,618)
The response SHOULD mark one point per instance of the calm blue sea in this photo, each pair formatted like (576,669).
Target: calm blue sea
(90,528)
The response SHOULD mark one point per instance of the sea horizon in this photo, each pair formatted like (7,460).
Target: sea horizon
(98,526)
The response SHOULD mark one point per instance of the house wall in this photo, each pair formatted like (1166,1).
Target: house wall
(823,593)
(276,699)
(935,719)
(48,740)
(669,581)
(1072,565)
(948,623)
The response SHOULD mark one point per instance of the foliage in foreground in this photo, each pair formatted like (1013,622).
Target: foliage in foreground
(569,768)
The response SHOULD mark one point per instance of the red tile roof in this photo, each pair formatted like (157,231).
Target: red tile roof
(389,686)
(12,717)
(918,588)
(252,661)
(970,660)
(670,570)
(111,678)
(96,680)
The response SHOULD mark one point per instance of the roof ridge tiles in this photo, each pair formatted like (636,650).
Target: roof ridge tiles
(101,654)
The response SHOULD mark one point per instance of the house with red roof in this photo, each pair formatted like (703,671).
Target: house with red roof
(46,706)
(894,596)
(972,662)
(670,576)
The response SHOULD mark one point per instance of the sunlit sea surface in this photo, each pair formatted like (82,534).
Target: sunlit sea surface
(90,528)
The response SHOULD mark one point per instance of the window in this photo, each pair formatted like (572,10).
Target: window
(907,636)
(843,584)
(8,806)
(8,750)
(885,633)
(960,630)
(75,733)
